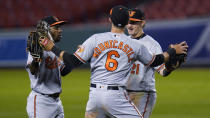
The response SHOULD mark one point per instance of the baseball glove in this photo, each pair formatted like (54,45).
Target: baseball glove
(36,52)
(43,29)
(33,45)
(175,62)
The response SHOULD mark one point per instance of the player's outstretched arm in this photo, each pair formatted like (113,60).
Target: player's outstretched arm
(171,54)
(70,60)
(65,70)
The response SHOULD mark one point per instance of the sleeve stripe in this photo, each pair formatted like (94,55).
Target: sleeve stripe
(82,60)
(160,68)
(153,58)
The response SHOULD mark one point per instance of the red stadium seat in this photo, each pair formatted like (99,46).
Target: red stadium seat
(27,12)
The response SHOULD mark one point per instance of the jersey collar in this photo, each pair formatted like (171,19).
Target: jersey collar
(141,36)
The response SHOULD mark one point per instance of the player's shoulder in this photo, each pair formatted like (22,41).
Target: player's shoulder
(98,36)
(149,42)
(101,34)
(152,44)
(150,39)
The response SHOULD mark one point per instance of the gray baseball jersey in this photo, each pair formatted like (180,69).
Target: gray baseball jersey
(49,80)
(111,56)
(43,102)
(142,77)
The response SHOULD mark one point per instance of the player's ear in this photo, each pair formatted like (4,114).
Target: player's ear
(110,20)
(143,23)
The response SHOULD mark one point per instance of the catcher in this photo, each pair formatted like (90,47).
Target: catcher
(45,70)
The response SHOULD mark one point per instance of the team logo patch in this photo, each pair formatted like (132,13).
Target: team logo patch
(51,63)
(131,13)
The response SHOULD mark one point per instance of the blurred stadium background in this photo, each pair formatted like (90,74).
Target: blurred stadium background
(184,94)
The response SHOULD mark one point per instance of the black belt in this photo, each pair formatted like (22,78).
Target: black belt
(108,87)
(140,91)
(54,95)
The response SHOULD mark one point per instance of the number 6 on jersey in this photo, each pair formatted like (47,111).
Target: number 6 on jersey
(112,64)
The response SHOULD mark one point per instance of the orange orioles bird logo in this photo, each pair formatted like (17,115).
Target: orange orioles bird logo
(131,13)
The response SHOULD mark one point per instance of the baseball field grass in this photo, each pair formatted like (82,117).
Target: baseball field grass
(184,94)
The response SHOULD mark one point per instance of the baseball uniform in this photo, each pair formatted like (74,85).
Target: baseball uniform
(44,101)
(111,56)
(142,80)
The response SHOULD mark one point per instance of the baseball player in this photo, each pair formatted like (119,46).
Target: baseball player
(141,84)
(111,55)
(44,101)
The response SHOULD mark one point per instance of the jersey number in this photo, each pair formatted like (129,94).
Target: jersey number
(135,69)
(112,64)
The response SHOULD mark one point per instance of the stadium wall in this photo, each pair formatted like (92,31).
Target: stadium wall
(195,31)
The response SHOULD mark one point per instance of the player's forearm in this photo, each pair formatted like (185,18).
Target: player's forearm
(164,57)
(66,70)
(69,59)
(159,59)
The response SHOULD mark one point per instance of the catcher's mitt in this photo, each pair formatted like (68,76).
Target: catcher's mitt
(175,62)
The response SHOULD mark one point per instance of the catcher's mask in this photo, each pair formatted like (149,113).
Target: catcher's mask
(52,21)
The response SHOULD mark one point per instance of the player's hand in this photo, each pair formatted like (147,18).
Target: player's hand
(46,43)
(180,48)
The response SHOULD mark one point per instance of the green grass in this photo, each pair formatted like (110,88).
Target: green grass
(184,94)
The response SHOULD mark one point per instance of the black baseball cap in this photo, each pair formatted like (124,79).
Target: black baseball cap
(136,15)
(52,20)
(119,16)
